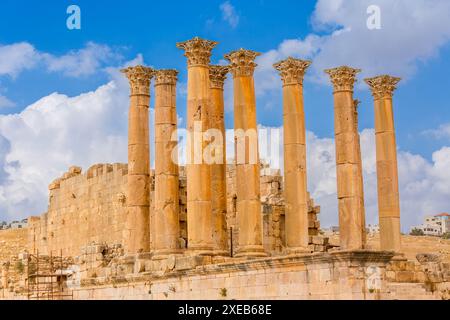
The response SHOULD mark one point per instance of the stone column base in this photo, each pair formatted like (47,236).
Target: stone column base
(251,252)
(165,253)
(200,250)
(297,250)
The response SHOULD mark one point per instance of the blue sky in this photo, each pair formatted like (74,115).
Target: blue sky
(413,42)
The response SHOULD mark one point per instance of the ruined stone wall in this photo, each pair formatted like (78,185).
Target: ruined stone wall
(12,242)
(83,208)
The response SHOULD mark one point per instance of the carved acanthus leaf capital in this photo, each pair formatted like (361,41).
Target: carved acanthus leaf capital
(382,86)
(292,71)
(343,78)
(166,76)
(242,62)
(139,78)
(197,51)
(218,75)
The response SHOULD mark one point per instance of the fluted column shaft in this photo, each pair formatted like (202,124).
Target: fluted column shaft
(295,178)
(387,171)
(199,207)
(247,159)
(218,170)
(360,170)
(166,220)
(137,229)
(349,175)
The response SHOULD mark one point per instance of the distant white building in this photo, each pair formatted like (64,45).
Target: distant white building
(436,225)
(19,224)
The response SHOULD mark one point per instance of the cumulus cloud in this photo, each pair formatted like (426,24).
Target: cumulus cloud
(38,144)
(82,62)
(5,102)
(424,185)
(411,33)
(442,132)
(229,14)
(17,57)
(54,133)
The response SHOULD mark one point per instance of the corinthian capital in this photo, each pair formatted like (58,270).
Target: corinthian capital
(217,75)
(242,62)
(382,86)
(197,51)
(139,77)
(343,78)
(292,71)
(166,76)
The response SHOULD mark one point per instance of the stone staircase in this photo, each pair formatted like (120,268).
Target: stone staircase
(408,291)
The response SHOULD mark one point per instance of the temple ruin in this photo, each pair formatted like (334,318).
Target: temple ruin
(221,230)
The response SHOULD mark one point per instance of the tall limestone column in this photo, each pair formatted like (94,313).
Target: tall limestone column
(361,184)
(349,175)
(199,207)
(292,72)
(387,172)
(166,225)
(247,159)
(137,230)
(217,76)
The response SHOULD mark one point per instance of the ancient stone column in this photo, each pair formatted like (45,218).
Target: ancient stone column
(387,172)
(217,76)
(361,184)
(292,72)
(199,208)
(166,220)
(137,229)
(349,175)
(249,214)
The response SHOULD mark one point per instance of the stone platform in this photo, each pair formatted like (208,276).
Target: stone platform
(352,275)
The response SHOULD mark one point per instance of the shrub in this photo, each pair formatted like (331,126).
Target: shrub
(417,232)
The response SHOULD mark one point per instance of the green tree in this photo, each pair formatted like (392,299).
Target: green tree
(417,232)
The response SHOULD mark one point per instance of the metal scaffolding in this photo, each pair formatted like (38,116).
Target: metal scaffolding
(45,278)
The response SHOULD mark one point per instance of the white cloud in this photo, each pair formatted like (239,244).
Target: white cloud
(411,33)
(443,131)
(229,14)
(40,143)
(5,102)
(17,57)
(424,185)
(82,62)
